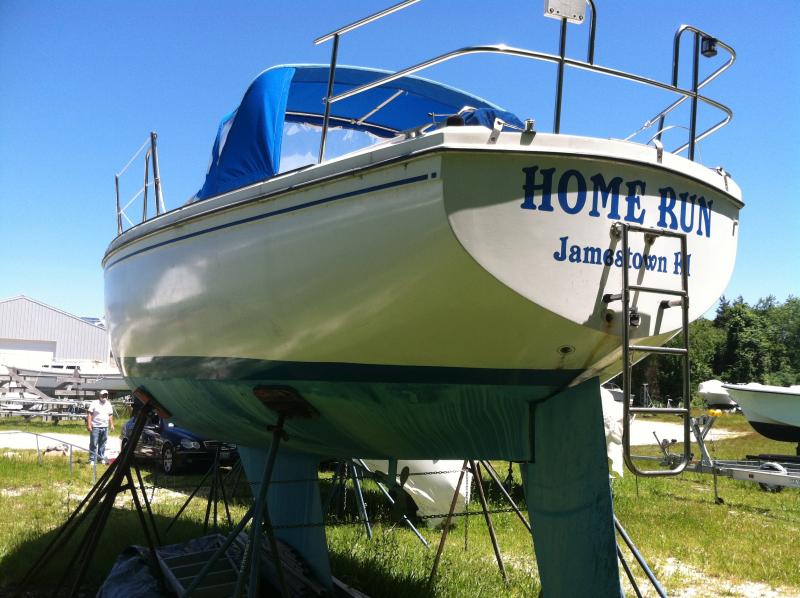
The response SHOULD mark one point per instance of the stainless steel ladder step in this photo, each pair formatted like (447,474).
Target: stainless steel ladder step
(678,298)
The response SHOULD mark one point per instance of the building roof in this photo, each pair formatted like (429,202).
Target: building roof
(61,311)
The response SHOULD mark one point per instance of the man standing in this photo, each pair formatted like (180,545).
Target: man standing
(99,418)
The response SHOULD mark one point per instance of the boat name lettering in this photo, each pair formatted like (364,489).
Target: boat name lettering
(589,254)
(676,210)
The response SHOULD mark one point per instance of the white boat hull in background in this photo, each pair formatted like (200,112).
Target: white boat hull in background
(431,484)
(773,411)
(714,395)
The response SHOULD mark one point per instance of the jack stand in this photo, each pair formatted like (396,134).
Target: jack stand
(447,523)
(217,487)
(502,487)
(474,468)
(286,402)
(362,505)
(100,500)
(345,471)
(261,516)
(476,475)
(639,559)
(235,476)
(251,558)
(338,487)
(466,516)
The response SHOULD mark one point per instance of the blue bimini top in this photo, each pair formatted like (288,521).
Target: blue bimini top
(247,148)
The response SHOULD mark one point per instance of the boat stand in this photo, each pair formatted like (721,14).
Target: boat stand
(472,467)
(639,559)
(286,403)
(251,558)
(215,490)
(99,503)
(338,495)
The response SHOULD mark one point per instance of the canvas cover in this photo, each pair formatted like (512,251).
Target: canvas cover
(247,148)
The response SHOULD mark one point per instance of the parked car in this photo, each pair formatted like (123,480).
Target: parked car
(175,448)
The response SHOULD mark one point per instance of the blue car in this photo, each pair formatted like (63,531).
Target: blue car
(175,448)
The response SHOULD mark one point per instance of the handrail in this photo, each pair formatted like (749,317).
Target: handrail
(676,48)
(401,5)
(675,59)
(543,56)
(335,35)
(561,60)
(592,31)
(365,21)
(562,50)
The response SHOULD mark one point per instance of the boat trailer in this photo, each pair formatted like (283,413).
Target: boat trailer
(771,472)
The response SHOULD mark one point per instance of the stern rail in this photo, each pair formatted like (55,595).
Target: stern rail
(704,43)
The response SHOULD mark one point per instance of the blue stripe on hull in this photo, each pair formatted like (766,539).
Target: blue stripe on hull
(276,212)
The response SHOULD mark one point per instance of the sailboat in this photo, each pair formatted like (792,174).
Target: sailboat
(440,294)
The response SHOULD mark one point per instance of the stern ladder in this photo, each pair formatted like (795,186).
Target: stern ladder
(630,319)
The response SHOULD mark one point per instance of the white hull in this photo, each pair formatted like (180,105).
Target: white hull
(332,282)
(421,254)
(773,411)
(714,395)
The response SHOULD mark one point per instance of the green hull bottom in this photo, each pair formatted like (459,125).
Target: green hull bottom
(566,486)
(365,411)
(569,497)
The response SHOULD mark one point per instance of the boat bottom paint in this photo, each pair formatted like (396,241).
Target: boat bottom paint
(374,412)
(566,486)
(779,432)
(569,498)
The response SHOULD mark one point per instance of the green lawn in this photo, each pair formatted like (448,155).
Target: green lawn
(689,540)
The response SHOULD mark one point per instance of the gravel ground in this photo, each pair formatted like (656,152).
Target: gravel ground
(642,432)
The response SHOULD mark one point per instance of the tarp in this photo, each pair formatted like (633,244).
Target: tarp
(247,148)
(569,497)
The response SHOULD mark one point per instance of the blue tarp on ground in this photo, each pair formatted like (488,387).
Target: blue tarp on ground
(247,148)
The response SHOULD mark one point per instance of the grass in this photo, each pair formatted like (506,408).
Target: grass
(35,498)
(688,539)
(65,426)
(725,419)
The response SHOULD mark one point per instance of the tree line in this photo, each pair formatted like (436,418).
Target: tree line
(743,343)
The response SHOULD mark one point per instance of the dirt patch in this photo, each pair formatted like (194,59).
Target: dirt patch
(642,432)
(12,492)
(697,584)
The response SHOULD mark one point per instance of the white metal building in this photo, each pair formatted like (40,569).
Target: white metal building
(33,334)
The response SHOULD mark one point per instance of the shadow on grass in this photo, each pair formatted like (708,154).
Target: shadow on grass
(766,512)
(376,580)
(236,487)
(122,530)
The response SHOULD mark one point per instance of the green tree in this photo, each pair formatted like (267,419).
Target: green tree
(741,344)
(746,353)
(705,343)
(783,330)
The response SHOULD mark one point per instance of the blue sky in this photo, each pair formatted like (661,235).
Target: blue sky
(83,83)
